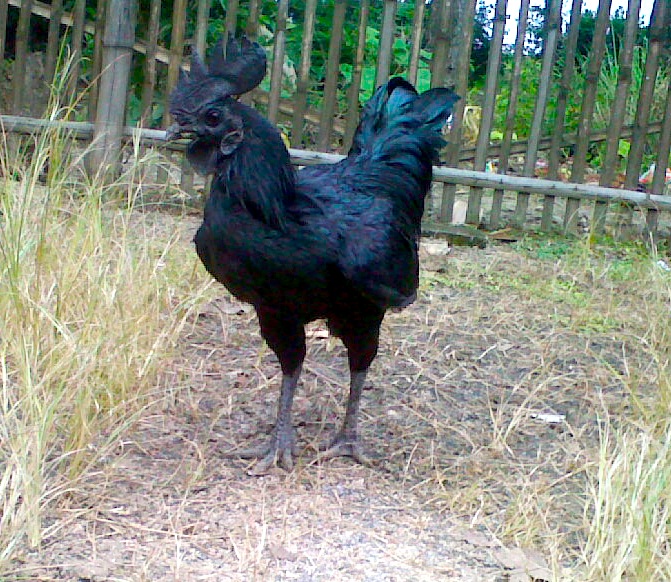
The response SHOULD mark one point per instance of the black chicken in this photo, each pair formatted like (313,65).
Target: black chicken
(337,242)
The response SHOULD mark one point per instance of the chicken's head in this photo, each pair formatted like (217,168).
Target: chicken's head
(202,104)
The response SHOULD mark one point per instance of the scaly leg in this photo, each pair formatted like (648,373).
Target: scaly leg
(286,337)
(281,447)
(346,442)
(360,336)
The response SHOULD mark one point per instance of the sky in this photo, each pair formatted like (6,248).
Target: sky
(592,5)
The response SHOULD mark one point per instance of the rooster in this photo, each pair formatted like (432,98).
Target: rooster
(336,242)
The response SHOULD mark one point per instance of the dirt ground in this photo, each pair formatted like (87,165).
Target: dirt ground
(453,411)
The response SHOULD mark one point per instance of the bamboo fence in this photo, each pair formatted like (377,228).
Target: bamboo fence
(317,107)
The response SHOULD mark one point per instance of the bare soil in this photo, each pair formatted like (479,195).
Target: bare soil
(451,411)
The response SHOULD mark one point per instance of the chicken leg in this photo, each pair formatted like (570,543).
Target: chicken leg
(281,447)
(361,341)
(346,442)
(286,337)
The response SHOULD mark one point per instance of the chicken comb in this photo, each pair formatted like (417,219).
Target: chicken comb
(239,71)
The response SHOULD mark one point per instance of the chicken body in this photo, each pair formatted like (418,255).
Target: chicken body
(338,242)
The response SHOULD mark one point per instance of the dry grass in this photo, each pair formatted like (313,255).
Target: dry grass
(91,303)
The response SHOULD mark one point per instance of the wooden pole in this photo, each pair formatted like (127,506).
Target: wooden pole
(97,59)
(149,81)
(557,140)
(201,26)
(387,32)
(332,74)
(549,50)
(491,85)
(278,60)
(463,65)
(53,40)
(587,110)
(111,111)
(646,95)
(303,81)
(21,56)
(441,14)
(252,28)
(617,112)
(660,14)
(416,41)
(76,46)
(231,23)
(515,80)
(663,149)
(352,120)
(3,26)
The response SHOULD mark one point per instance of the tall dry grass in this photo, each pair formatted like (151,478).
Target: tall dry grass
(90,309)
(627,516)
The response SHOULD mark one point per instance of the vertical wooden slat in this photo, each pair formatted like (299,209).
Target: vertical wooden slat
(387,33)
(441,14)
(663,150)
(353,93)
(464,39)
(303,80)
(117,56)
(658,19)
(97,63)
(549,50)
(487,118)
(4,4)
(587,110)
(646,95)
(149,81)
(174,64)
(515,79)
(176,52)
(252,28)
(617,112)
(76,45)
(560,115)
(21,52)
(332,75)
(231,24)
(416,41)
(252,32)
(202,18)
(278,60)
(53,40)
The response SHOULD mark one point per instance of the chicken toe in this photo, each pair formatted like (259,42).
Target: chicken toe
(341,446)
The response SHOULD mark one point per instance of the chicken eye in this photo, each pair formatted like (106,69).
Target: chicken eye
(212,118)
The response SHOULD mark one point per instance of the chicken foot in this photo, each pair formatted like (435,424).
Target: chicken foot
(281,447)
(346,442)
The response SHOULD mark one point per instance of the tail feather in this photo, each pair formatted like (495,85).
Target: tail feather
(396,109)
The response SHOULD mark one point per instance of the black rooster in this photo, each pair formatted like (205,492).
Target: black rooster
(337,242)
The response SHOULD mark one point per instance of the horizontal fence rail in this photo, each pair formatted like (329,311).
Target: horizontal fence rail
(156,137)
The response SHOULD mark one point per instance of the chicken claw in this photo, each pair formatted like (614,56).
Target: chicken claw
(341,446)
(278,452)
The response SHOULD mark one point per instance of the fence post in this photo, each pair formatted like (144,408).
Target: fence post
(332,68)
(3,26)
(111,107)
(387,30)
(19,70)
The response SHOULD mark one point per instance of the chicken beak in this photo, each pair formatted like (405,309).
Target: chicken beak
(173,132)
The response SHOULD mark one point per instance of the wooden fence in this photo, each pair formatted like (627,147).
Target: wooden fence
(484,164)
